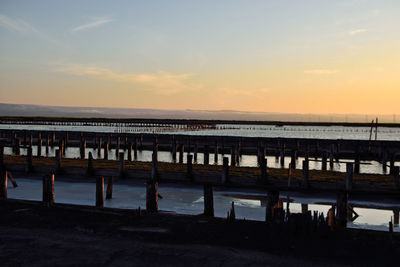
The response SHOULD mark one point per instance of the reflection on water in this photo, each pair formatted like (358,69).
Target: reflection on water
(185,200)
(322,132)
(245,160)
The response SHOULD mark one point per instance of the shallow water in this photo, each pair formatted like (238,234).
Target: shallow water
(189,200)
(321,132)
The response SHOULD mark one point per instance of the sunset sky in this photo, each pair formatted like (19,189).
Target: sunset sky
(309,56)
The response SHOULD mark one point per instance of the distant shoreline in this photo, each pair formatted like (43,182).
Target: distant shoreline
(23,119)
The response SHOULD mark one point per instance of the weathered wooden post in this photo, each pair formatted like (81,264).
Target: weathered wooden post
(272,200)
(206,159)
(17,146)
(48,196)
(141,142)
(117,146)
(29,167)
(304,181)
(392,160)
(58,160)
(225,170)
(181,152)
(263,169)
(121,166)
(90,169)
(304,208)
(109,187)
(208,200)
(195,150)
(39,145)
(135,148)
(282,154)
(349,176)
(396,216)
(357,164)
(1,155)
(341,209)
(129,151)
(53,139)
(47,143)
(51,189)
(293,159)
(106,150)
(99,144)
(152,189)
(100,192)
(30,140)
(396,177)
(83,148)
(3,183)
(324,161)
(233,157)
(189,172)
(216,152)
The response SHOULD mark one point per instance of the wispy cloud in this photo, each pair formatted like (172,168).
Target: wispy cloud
(96,22)
(357,31)
(244,92)
(16,25)
(321,71)
(160,82)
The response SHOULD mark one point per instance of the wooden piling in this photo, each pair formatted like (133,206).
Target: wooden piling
(304,208)
(39,145)
(100,192)
(349,176)
(293,159)
(195,150)
(189,172)
(3,183)
(216,152)
(181,152)
(151,196)
(233,157)
(225,170)
(90,169)
(208,200)
(396,177)
(99,147)
(324,161)
(105,150)
(341,209)
(1,155)
(17,146)
(272,200)
(304,181)
(206,158)
(357,164)
(121,166)
(51,191)
(282,155)
(129,151)
(47,143)
(29,167)
(154,167)
(45,189)
(263,169)
(109,187)
(83,149)
(58,160)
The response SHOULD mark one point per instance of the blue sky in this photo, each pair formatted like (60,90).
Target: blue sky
(247,55)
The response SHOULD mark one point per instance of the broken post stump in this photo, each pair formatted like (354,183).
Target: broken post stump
(109,187)
(304,180)
(341,209)
(100,192)
(208,200)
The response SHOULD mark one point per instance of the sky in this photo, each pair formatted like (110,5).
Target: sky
(309,56)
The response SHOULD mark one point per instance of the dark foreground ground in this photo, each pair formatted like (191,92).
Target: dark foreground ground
(66,235)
